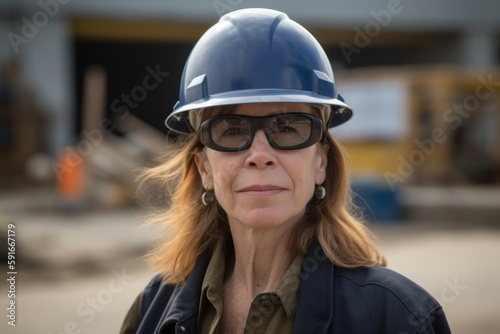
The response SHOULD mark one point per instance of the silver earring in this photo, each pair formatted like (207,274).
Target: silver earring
(320,192)
(207,197)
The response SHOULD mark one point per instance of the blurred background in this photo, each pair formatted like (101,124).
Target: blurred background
(85,87)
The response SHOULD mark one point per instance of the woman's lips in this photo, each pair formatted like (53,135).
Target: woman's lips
(262,190)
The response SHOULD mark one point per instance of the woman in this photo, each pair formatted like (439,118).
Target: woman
(259,237)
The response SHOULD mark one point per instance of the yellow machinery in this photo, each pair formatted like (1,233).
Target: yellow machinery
(433,125)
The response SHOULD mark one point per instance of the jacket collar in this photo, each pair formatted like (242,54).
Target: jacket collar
(315,300)
(182,307)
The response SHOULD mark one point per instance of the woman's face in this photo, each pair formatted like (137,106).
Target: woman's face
(263,187)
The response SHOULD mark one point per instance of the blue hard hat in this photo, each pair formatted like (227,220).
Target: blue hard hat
(252,56)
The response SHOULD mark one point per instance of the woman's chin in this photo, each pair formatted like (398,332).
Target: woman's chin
(265,219)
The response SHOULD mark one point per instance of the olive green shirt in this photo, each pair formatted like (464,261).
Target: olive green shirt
(270,312)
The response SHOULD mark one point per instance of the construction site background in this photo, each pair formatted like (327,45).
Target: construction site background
(85,87)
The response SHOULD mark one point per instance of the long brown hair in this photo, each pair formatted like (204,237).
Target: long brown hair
(187,228)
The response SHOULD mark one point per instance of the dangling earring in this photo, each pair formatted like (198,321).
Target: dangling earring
(207,197)
(320,192)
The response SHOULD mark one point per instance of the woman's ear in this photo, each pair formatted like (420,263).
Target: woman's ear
(204,169)
(322,163)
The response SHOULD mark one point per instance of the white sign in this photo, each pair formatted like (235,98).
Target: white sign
(380,110)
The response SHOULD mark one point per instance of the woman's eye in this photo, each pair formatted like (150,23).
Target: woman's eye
(285,126)
(232,131)
(286,129)
(236,131)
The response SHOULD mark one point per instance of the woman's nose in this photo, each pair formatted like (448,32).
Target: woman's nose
(261,153)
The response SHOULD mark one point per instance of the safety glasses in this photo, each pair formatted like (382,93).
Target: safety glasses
(230,133)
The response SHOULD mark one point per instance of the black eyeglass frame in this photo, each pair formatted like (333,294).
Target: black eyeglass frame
(261,122)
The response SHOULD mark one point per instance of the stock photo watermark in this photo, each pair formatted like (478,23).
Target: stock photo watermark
(11,275)
(88,309)
(454,117)
(225,6)
(30,27)
(372,29)
(449,294)
(74,156)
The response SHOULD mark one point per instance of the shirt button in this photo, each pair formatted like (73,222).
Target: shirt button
(265,300)
(182,329)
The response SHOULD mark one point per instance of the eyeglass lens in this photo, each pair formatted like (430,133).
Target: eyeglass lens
(282,131)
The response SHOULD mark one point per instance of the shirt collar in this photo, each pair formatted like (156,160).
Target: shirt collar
(212,286)
(287,289)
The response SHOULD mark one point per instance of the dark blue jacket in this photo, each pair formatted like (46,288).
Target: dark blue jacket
(331,300)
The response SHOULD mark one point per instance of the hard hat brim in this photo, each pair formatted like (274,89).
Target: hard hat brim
(178,121)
